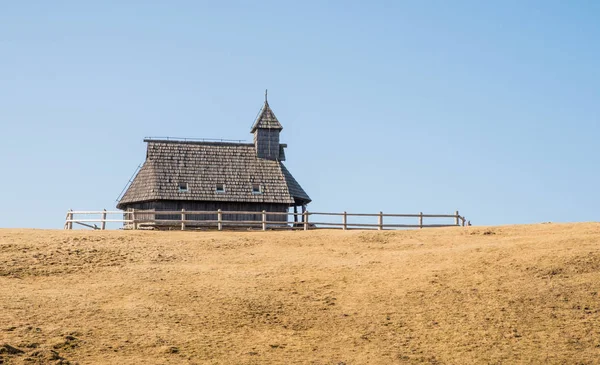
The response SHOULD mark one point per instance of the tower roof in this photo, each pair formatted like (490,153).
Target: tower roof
(266,119)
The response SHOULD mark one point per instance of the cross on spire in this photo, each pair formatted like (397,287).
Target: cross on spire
(266,95)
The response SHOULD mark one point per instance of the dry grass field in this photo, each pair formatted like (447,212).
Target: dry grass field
(486,295)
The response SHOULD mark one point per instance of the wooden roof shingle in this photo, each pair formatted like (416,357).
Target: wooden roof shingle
(266,119)
(203,165)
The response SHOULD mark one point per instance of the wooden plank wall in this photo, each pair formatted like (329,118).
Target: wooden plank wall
(210,206)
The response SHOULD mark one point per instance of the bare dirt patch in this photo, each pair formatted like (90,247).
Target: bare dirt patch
(491,295)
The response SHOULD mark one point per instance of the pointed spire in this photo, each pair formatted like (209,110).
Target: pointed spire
(266,118)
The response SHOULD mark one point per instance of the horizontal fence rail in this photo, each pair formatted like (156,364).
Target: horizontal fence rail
(147,219)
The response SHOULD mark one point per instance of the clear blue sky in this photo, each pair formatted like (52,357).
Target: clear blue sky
(491,108)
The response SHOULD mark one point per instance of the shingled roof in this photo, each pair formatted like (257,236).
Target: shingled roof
(203,165)
(266,119)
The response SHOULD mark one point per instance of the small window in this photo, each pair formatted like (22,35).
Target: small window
(257,189)
(183,187)
(220,188)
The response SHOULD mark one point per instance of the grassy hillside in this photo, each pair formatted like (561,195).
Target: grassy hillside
(518,294)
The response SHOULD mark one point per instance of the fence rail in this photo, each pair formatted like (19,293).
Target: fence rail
(146,219)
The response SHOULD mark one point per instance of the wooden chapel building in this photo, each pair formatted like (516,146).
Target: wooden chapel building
(207,176)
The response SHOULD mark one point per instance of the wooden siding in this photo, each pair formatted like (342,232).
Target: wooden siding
(210,206)
(266,142)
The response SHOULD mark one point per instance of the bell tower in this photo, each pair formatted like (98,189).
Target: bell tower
(266,131)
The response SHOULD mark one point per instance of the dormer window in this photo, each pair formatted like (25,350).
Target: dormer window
(220,188)
(257,189)
(183,187)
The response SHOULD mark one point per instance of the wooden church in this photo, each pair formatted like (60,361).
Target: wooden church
(207,176)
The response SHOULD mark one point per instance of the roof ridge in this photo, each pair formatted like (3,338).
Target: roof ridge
(206,143)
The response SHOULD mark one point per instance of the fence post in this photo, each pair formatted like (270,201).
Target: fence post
(457,216)
(264,220)
(219,220)
(183,219)
(345,220)
(420,220)
(133,218)
(380,221)
(70,219)
(305,216)
(103,224)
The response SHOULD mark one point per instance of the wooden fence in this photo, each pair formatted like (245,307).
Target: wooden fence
(146,219)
